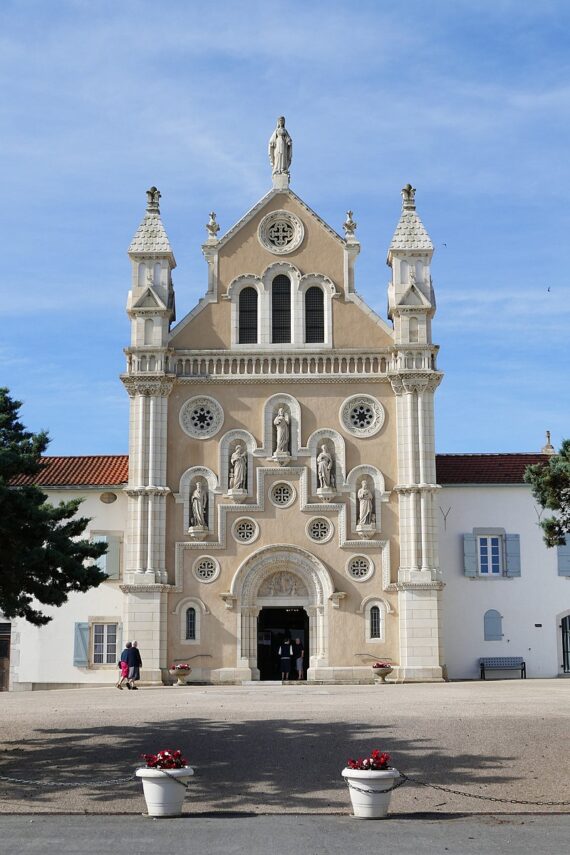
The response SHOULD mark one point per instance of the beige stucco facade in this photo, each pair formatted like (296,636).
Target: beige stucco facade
(349,557)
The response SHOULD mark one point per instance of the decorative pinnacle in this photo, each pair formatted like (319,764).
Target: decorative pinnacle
(212,226)
(548,448)
(408,198)
(152,199)
(349,225)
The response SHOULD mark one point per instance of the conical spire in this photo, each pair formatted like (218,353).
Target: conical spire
(410,233)
(151,237)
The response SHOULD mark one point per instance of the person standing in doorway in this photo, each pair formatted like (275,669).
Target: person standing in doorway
(123,665)
(286,655)
(134,662)
(299,657)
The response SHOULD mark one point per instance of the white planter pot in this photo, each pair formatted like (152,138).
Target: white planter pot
(370,791)
(380,674)
(180,675)
(163,790)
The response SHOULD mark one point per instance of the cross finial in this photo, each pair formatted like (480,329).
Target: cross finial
(548,448)
(349,225)
(212,226)
(153,195)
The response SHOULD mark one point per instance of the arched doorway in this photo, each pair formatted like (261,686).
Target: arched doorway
(281,577)
(274,625)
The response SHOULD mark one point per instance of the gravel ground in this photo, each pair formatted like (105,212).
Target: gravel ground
(280,749)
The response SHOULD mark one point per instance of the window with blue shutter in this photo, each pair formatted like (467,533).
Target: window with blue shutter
(563,555)
(81,645)
(493,625)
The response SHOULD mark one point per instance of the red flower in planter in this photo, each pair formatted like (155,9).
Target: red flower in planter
(377,760)
(165,759)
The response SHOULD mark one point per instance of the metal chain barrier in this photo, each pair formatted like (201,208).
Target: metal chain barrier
(405,779)
(37,783)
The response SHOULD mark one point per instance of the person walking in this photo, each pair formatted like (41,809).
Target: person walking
(123,665)
(134,662)
(285,655)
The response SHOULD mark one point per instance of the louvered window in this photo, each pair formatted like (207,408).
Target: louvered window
(314,315)
(248,316)
(281,310)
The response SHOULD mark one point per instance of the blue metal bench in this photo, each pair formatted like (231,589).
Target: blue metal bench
(502,663)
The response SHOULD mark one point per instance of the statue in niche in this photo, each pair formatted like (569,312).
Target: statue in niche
(365,504)
(198,502)
(238,468)
(280,149)
(325,468)
(412,274)
(281,422)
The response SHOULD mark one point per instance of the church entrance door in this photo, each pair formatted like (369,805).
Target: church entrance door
(273,625)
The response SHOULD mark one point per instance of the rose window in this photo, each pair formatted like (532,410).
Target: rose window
(362,415)
(359,568)
(245,530)
(206,569)
(201,417)
(281,232)
(282,494)
(319,530)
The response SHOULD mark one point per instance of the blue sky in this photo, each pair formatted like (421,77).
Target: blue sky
(470,102)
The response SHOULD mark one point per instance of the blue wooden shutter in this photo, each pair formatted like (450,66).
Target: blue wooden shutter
(493,625)
(513,553)
(469,554)
(563,553)
(81,645)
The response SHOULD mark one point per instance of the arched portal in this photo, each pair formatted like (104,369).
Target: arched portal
(281,576)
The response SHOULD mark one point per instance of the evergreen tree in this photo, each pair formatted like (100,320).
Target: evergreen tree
(42,555)
(551,488)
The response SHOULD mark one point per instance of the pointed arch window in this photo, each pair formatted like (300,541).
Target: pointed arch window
(247,330)
(281,309)
(314,315)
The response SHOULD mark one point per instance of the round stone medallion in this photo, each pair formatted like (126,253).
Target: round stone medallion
(281,232)
(201,417)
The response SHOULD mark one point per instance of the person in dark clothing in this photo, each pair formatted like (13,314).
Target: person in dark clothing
(299,654)
(134,662)
(285,655)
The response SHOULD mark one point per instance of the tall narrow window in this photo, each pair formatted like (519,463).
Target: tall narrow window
(247,316)
(281,309)
(375,631)
(314,315)
(191,624)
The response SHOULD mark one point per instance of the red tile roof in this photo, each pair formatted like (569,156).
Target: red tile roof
(108,470)
(485,468)
(102,470)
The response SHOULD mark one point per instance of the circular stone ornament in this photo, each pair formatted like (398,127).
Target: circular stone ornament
(282,494)
(201,417)
(319,530)
(281,232)
(206,569)
(362,415)
(245,530)
(359,568)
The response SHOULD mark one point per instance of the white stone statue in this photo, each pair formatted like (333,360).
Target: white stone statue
(199,499)
(365,504)
(281,422)
(324,467)
(280,149)
(238,468)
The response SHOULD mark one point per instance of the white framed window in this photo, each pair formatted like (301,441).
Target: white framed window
(190,613)
(375,621)
(191,621)
(104,638)
(490,555)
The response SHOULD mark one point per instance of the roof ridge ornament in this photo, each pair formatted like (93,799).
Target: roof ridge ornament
(349,225)
(408,198)
(212,227)
(153,195)
(280,151)
(548,448)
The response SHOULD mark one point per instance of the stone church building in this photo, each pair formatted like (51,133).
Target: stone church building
(282,463)
(281,479)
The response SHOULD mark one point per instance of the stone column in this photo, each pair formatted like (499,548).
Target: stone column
(145,621)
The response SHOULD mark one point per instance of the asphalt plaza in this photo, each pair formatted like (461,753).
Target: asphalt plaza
(279,749)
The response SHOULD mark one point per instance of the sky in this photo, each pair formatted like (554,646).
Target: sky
(468,101)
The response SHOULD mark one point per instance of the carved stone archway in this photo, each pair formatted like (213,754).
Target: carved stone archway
(281,576)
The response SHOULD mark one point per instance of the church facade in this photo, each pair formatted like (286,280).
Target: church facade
(281,476)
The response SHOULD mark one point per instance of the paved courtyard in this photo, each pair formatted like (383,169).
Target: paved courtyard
(280,749)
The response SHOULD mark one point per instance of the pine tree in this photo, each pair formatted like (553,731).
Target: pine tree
(42,555)
(551,488)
